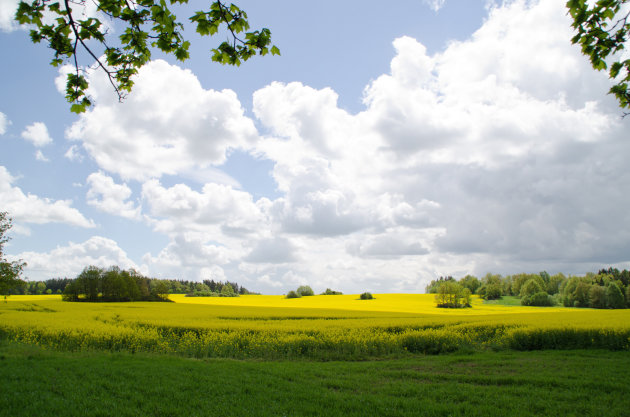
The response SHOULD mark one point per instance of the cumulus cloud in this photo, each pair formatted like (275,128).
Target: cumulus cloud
(170,124)
(69,261)
(7,11)
(39,155)
(4,123)
(107,196)
(74,154)
(216,206)
(275,250)
(500,147)
(29,208)
(435,5)
(37,134)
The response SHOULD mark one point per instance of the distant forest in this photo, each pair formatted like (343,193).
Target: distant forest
(608,288)
(115,284)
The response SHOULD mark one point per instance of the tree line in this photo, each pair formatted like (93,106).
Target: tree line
(608,288)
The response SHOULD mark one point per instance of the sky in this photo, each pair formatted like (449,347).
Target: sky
(389,144)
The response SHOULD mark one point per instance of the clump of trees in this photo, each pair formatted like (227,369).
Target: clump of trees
(302,291)
(331,292)
(608,288)
(451,294)
(115,284)
(218,289)
(366,296)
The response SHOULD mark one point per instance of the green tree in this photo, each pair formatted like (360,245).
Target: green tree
(227,291)
(528,290)
(471,282)
(597,297)
(146,24)
(305,291)
(614,296)
(450,294)
(293,294)
(161,289)
(603,27)
(9,271)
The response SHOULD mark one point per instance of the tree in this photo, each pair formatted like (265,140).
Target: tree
(614,296)
(305,291)
(228,291)
(9,271)
(450,294)
(603,27)
(68,30)
(293,294)
(597,296)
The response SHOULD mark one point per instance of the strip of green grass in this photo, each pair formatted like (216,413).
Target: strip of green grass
(47,383)
(506,300)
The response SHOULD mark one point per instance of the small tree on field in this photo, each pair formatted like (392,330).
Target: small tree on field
(305,291)
(293,294)
(452,295)
(366,296)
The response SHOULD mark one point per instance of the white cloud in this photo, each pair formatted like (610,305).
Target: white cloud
(435,5)
(29,208)
(107,196)
(69,261)
(37,134)
(169,125)
(479,156)
(275,251)
(39,155)
(4,123)
(217,206)
(7,11)
(74,154)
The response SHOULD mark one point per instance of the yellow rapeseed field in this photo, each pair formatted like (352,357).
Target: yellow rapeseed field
(323,327)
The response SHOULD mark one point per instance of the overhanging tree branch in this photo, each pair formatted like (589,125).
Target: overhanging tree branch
(147,24)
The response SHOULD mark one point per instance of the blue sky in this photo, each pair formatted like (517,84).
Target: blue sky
(385,147)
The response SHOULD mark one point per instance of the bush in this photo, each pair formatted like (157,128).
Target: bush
(305,291)
(293,294)
(331,292)
(366,296)
(493,292)
(541,299)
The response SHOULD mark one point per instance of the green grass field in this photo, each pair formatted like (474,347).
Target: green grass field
(38,382)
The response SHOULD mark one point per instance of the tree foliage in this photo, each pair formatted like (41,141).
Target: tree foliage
(450,294)
(305,291)
(603,28)
(146,24)
(9,271)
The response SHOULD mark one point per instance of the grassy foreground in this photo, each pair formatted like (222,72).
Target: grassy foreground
(568,383)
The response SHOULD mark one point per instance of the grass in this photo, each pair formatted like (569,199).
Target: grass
(506,300)
(49,383)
